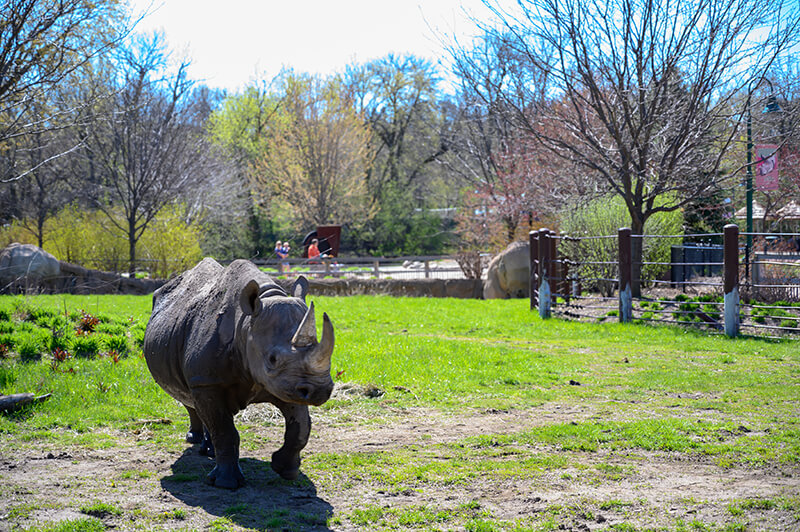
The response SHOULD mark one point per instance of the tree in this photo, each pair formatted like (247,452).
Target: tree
(147,140)
(640,93)
(242,126)
(409,126)
(316,155)
(397,95)
(42,42)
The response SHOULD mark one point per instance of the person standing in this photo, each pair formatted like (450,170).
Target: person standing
(313,252)
(284,254)
(281,254)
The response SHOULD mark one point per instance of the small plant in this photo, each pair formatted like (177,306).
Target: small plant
(100,509)
(87,323)
(60,355)
(86,346)
(117,345)
(178,514)
(59,339)
(6,344)
(29,348)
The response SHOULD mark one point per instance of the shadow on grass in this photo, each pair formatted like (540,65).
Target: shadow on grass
(265,502)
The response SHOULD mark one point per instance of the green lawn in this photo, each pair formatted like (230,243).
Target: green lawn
(733,403)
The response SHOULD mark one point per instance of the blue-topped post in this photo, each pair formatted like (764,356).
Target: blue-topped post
(544,273)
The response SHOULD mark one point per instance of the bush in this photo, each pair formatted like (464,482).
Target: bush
(170,245)
(82,237)
(88,239)
(604,217)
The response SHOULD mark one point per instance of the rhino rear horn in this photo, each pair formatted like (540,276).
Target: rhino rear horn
(320,356)
(306,334)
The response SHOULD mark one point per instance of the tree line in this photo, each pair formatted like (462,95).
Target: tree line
(557,104)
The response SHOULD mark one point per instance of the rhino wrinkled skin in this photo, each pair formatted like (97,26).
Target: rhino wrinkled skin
(220,339)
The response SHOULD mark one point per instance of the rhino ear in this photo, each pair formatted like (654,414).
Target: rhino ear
(248,299)
(300,288)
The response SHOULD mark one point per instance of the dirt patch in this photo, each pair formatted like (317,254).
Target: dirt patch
(156,488)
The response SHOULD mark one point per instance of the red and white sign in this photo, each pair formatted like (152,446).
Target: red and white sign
(767,167)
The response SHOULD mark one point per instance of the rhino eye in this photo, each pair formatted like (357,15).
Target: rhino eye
(272,360)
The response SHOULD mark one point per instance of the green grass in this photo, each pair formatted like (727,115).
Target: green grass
(648,389)
(449,355)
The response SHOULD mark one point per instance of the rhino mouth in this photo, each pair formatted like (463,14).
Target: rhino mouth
(308,394)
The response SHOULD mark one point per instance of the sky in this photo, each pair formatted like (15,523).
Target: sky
(250,40)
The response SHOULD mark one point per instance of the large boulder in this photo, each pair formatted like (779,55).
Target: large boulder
(509,273)
(25,262)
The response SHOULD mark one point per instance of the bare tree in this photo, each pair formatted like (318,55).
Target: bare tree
(147,141)
(642,94)
(508,172)
(42,42)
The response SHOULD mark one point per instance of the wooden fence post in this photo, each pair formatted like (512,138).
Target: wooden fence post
(731,279)
(544,273)
(533,246)
(553,269)
(625,270)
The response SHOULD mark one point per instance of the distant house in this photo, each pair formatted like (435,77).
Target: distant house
(784,220)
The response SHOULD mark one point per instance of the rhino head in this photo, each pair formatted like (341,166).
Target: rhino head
(281,347)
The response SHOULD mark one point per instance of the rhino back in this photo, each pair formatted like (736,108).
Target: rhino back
(190,333)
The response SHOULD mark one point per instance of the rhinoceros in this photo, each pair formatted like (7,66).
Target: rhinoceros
(220,338)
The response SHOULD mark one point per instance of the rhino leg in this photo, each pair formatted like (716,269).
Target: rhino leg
(206,445)
(211,407)
(286,460)
(195,434)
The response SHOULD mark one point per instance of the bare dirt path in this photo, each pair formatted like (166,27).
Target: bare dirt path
(160,489)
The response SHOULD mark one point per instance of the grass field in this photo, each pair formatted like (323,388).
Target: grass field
(449,414)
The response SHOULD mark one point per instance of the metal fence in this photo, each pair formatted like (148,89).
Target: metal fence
(726,288)
(411,267)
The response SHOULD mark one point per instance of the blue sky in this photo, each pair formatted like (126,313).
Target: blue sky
(248,39)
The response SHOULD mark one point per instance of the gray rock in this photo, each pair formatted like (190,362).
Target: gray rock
(26,261)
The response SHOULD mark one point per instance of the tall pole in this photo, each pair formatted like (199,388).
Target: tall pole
(749,191)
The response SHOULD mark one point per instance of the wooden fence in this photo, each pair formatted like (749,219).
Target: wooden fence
(747,292)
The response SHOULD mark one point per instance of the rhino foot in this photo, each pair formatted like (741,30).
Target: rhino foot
(206,447)
(286,464)
(227,476)
(194,436)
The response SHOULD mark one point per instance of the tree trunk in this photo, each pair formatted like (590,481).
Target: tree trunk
(637,250)
(132,248)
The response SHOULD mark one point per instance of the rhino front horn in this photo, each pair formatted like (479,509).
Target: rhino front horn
(306,334)
(321,354)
